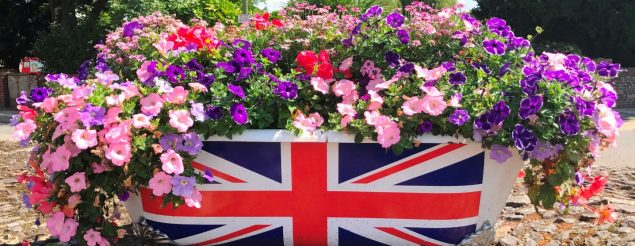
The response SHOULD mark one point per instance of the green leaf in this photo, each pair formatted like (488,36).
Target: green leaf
(359,137)
(547,196)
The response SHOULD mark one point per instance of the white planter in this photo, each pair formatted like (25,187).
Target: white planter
(274,188)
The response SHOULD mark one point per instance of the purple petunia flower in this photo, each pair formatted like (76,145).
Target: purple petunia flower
(449,66)
(543,151)
(198,111)
(357,29)
(481,66)
(392,59)
(92,115)
(272,55)
(175,74)
(607,69)
(26,200)
(589,64)
(608,97)
(23,99)
(425,127)
(457,78)
(15,120)
(243,57)
(130,27)
(241,43)
(529,84)
(237,90)
(82,72)
(347,42)
(499,27)
(504,69)
(39,94)
(123,196)
(286,90)
(403,36)
(407,68)
(530,106)
(209,176)
(239,113)
(524,139)
(500,153)
(395,20)
(227,67)
(374,11)
(169,141)
(494,47)
(482,123)
(569,123)
(585,108)
(498,113)
(183,186)
(194,65)
(205,79)
(214,112)
(190,143)
(244,73)
(459,117)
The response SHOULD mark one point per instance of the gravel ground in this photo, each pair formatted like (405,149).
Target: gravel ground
(520,223)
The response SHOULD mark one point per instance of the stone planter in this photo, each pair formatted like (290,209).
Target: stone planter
(273,188)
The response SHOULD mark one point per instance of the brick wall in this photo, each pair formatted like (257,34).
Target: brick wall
(625,87)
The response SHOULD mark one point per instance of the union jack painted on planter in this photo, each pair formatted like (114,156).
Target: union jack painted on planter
(335,193)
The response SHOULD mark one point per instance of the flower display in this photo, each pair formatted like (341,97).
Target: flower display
(137,118)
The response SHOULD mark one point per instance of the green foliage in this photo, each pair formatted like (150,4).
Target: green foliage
(597,28)
(20,22)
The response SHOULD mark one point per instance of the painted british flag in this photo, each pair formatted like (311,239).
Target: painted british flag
(318,193)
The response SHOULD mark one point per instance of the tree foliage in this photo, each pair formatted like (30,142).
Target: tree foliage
(20,22)
(598,28)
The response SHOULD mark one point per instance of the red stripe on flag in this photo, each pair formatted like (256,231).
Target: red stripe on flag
(427,206)
(410,163)
(235,234)
(217,173)
(405,236)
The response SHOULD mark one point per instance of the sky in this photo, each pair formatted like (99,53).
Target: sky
(273,5)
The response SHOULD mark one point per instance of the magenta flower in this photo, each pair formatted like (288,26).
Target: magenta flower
(494,47)
(239,114)
(237,90)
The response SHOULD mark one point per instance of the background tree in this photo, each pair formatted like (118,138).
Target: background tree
(19,23)
(597,28)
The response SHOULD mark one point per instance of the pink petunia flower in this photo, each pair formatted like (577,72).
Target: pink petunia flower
(321,85)
(77,181)
(115,100)
(194,200)
(172,162)
(118,153)
(375,101)
(93,237)
(388,134)
(430,75)
(197,87)
(345,120)
(142,73)
(413,105)
(160,184)
(346,109)
(141,121)
(85,138)
(60,159)
(433,105)
(163,46)
(180,119)
(106,77)
(24,130)
(49,105)
(69,229)
(308,124)
(55,223)
(112,116)
(74,200)
(152,104)
(177,96)
(343,87)
(346,64)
